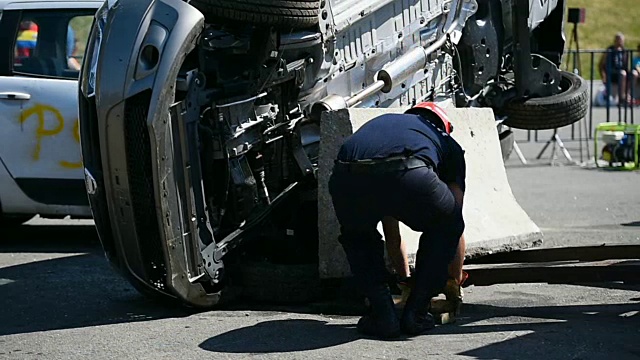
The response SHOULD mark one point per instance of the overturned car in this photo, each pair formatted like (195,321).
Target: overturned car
(200,120)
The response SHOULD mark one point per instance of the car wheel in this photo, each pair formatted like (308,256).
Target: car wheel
(297,14)
(565,108)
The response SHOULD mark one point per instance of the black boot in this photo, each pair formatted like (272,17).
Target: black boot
(365,252)
(382,321)
(416,318)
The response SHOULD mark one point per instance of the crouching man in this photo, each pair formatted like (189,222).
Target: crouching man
(400,168)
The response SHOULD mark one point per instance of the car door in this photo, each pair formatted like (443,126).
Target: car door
(39,135)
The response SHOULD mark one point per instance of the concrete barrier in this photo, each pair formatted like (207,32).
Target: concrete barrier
(495,222)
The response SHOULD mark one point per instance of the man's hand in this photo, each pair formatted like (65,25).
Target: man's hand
(458,194)
(395,247)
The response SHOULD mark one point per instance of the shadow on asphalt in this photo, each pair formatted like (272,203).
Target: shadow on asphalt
(49,238)
(75,288)
(571,330)
(281,336)
(632,224)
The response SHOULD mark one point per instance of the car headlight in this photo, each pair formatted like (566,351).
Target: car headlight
(101,21)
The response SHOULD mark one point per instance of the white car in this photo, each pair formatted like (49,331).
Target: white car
(42,47)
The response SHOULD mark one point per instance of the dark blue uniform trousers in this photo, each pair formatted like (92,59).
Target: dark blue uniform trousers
(417,198)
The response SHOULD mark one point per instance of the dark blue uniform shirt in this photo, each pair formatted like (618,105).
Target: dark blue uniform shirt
(411,135)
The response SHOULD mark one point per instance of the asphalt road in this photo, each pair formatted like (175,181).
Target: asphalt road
(59,299)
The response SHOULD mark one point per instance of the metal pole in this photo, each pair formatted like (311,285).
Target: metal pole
(608,82)
(633,89)
(587,130)
(591,101)
(619,92)
(583,122)
(587,141)
(626,87)
(580,138)
(621,96)
(575,69)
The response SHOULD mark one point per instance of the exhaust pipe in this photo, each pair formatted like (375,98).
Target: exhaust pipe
(386,79)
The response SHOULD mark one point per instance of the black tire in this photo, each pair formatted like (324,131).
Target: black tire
(551,112)
(280,283)
(284,13)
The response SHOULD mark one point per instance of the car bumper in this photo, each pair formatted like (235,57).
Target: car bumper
(127,138)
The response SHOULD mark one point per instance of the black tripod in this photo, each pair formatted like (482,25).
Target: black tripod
(555,138)
(557,142)
(577,65)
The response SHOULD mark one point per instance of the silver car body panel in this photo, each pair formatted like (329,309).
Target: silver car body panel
(362,37)
(122,73)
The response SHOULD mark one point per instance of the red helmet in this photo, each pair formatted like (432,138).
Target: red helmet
(432,108)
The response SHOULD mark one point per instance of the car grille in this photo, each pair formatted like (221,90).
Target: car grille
(139,168)
(92,161)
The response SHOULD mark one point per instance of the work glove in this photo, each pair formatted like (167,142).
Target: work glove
(405,284)
(453,290)
(445,310)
